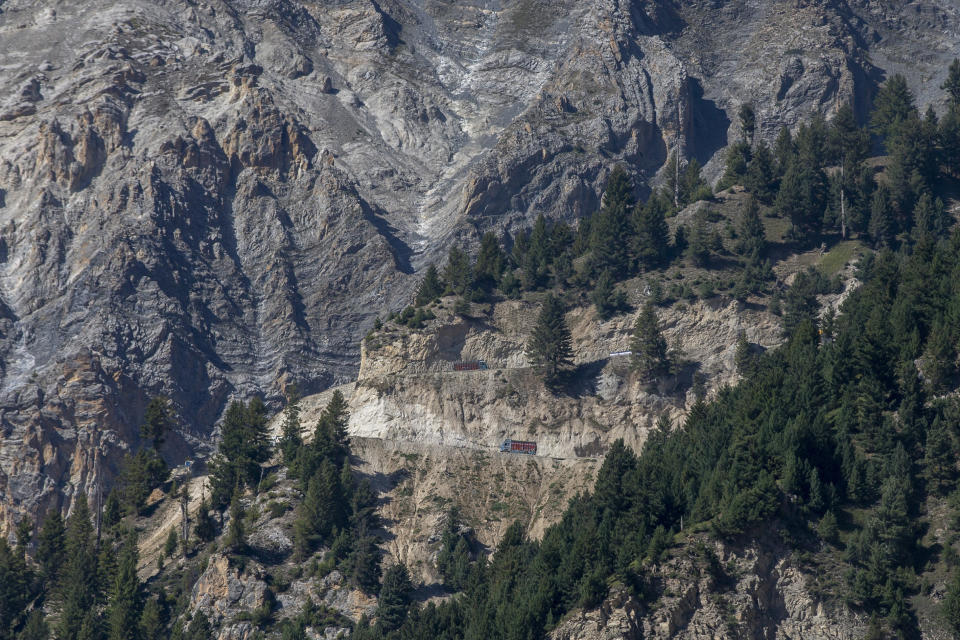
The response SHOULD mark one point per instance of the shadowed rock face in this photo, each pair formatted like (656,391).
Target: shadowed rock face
(210,199)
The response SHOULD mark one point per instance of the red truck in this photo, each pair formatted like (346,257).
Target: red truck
(519,446)
(472,365)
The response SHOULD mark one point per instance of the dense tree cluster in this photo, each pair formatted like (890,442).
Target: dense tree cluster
(244,447)
(622,239)
(91,584)
(144,470)
(336,510)
(819,178)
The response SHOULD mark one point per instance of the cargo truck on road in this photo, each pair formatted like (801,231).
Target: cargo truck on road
(472,365)
(519,446)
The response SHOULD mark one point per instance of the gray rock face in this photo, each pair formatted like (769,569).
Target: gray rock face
(210,199)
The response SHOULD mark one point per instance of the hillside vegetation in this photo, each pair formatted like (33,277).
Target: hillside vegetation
(840,446)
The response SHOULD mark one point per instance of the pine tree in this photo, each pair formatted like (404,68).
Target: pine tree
(151,621)
(748,121)
(140,473)
(521,243)
(761,177)
(846,140)
(536,261)
(614,474)
(649,347)
(51,548)
(939,459)
(913,165)
(430,287)
(743,357)
(881,218)
(460,564)
(78,589)
(24,534)
(112,511)
(91,627)
(330,435)
(949,136)
(125,600)
(606,297)
(610,229)
(457,275)
(952,84)
(36,627)
(561,239)
(236,534)
(929,219)
(894,525)
(204,527)
(244,446)
(321,510)
(939,359)
(698,248)
(651,242)
(15,587)
(170,546)
(815,492)
(491,262)
(550,343)
(827,529)
(892,106)
(157,421)
(562,269)
(227,468)
(784,151)
(950,608)
(812,140)
(394,600)
(257,438)
(290,438)
(199,628)
(363,503)
(692,185)
(751,237)
(802,197)
(363,564)
(738,159)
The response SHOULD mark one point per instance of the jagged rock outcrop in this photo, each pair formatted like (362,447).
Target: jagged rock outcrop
(209,199)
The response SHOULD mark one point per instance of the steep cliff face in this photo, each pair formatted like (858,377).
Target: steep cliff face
(208,199)
(407,389)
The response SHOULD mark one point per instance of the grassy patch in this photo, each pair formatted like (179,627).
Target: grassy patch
(837,258)
(776,229)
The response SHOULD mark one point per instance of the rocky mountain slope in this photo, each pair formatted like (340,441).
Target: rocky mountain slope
(208,199)
(426,437)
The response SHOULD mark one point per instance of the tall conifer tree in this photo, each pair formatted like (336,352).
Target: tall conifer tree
(79,589)
(550,344)
(649,347)
(125,601)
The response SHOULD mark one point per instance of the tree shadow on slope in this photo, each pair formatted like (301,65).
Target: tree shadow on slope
(580,381)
